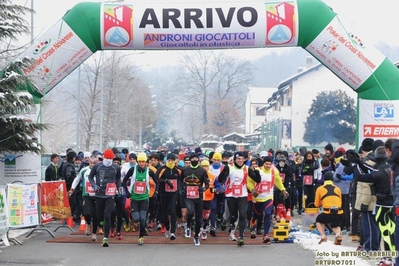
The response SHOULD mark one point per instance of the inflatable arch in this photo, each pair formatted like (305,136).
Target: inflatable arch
(310,24)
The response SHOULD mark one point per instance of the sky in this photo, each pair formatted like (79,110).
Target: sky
(371,20)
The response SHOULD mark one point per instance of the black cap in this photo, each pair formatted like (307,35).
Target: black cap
(193,155)
(238,154)
(133,156)
(171,156)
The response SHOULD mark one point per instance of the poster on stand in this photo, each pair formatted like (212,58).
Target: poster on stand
(22,205)
(55,202)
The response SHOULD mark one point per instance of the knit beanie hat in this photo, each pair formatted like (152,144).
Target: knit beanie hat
(367,144)
(108,154)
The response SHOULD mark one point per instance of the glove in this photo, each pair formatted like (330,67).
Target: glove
(201,189)
(167,181)
(96,188)
(339,176)
(118,194)
(255,193)
(128,195)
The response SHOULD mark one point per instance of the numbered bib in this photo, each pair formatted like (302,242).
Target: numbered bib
(308,180)
(139,187)
(264,186)
(174,189)
(282,175)
(237,190)
(89,188)
(110,189)
(192,192)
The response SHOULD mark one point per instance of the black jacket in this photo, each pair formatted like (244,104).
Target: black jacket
(51,173)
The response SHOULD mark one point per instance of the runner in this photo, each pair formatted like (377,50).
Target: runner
(236,177)
(106,184)
(192,187)
(139,193)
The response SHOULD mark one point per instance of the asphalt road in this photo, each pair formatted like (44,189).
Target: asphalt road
(36,251)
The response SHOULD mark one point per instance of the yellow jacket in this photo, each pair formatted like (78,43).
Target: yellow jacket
(327,196)
(265,188)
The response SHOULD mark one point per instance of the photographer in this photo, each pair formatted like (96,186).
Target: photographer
(328,197)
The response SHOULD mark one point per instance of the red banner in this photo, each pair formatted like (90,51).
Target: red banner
(55,202)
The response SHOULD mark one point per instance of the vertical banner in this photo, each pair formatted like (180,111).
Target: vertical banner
(23,205)
(3,211)
(55,202)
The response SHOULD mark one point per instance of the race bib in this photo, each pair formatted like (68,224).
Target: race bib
(264,186)
(139,187)
(308,180)
(237,190)
(192,192)
(174,189)
(282,175)
(110,189)
(89,188)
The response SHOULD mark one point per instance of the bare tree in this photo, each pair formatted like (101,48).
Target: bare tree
(206,77)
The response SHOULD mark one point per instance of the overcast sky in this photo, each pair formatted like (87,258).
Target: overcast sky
(374,21)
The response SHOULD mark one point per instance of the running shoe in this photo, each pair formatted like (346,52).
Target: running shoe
(172,236)
(187,233)
(204,236)
(179,227)
(163,228)
(266,240)
(253,232)
(100,231)
(213,231)
(126,226)
(111,234)
(119,236)
(152,225)
(141,241)
(135,227)
(196,241)
(105,242)
(93,237)
(338,240)
(88,229)
(232,237)
(167,234)
(240,242)
(323,239)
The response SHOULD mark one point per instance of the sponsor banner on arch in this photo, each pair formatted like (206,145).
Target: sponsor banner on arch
(379,119)
(345,54)
(199,25)
(56,53)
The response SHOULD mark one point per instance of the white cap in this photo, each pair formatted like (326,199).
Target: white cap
(264,154)
(86,154)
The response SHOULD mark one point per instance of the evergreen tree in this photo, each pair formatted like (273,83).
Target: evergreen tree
(18,133)
(332,118)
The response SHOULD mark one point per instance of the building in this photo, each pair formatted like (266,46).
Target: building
(256,98)
(287,109)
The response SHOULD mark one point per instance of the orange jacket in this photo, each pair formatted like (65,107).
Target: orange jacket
(208,195)
(152,183)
